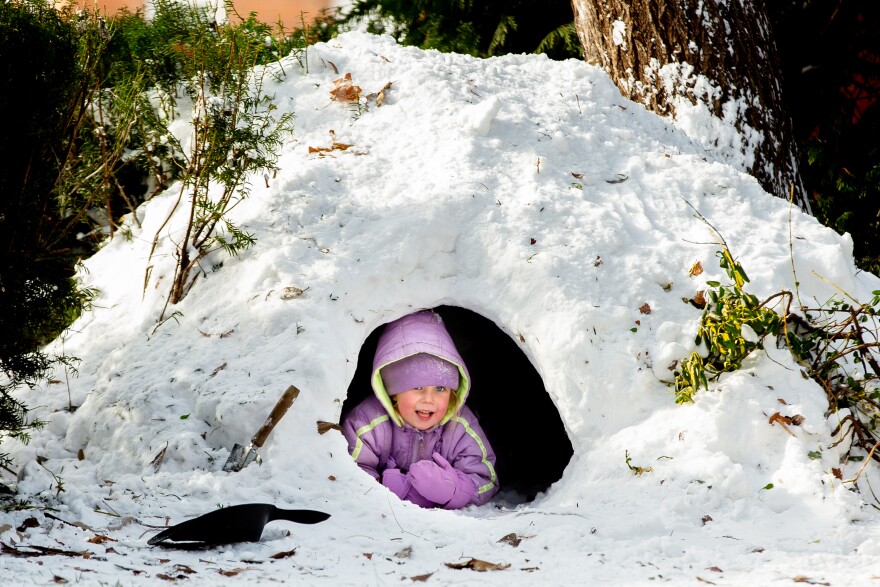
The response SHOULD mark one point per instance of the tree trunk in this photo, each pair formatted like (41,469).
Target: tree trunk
(711,59)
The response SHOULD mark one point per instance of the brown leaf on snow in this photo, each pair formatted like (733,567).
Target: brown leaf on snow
(324,427)
(699,300)
(368,556)
(285,554)
(31,522)
(645,308)
(837,473)
(334,147)
(476,564)
(344,90)
(157,461)
(100,539)
(231,572)
(421,578)
(803,579)
(795,420)
(706,519)
(714,569)
(59,580)
(696,269)
(184,569)
(702,580)
(511,539)
(290,292)
(405,553)
(380,99)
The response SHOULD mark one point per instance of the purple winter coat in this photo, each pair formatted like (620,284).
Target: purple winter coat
(377,436)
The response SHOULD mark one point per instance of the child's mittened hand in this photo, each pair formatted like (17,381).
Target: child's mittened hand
(397,482)
(433,481)
(464,487)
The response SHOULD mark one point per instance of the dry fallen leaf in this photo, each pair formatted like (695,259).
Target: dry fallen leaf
(231,572)
(218,369)
(290,292)
(344,90)
(476,564)
(101,539)
(511,539)
(30,522)
(334,147)
(645,308)
(696,269)
(795,420)
(324,427)
(380,99)
(285,554)
(184,569)
(699,299)
(157,461)
(405,553)
(421,578)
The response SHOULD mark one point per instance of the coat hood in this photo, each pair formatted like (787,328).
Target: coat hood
(421,332)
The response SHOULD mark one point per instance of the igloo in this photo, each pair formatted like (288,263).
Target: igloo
(545,217)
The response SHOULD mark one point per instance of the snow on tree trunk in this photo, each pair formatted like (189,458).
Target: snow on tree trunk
(686,60)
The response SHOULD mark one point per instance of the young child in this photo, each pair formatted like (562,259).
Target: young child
(415,435)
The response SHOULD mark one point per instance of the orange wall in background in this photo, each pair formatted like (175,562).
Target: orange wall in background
(267,11)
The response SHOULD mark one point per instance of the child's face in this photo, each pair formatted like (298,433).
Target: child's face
(423,407)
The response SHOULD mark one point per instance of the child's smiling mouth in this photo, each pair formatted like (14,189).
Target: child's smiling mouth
(424,414)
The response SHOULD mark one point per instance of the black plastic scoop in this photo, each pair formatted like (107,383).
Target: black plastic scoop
(237,523)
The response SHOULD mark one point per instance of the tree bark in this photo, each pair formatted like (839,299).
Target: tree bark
(681,58)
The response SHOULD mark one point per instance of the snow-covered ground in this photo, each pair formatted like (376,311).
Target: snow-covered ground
(529,192)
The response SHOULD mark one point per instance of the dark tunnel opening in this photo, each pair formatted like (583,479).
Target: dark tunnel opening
(508,397)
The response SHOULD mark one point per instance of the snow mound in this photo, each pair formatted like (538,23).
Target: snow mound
(527,191)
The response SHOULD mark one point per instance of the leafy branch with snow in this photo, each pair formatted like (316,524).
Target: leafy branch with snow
(837,344)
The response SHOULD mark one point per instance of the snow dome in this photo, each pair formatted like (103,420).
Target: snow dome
(549,220)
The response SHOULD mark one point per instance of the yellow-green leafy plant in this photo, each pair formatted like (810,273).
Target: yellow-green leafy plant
(734,323)
(836,344)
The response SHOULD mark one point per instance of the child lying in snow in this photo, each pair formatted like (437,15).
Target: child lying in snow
(416,435)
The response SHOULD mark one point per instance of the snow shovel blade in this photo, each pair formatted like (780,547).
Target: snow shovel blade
(241,456)
(237,523)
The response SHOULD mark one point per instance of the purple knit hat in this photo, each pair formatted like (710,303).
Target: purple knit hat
(419,370)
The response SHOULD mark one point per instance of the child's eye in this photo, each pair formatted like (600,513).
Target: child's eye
(439,388)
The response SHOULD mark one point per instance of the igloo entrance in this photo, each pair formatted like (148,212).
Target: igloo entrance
(508,397)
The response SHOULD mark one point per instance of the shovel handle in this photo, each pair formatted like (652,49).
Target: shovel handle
(284,403)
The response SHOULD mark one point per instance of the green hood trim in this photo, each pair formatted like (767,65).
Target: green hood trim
(464,385)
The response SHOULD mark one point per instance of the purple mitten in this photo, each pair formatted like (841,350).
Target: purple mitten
(465,490)
(417,498)
(432,481)
(442,483)
(397,482)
